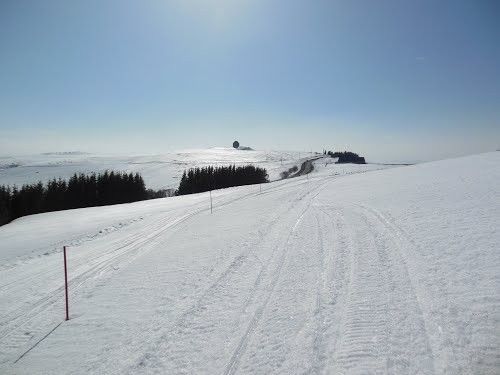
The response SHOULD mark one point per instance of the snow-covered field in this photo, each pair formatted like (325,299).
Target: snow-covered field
(388,271)
(159,171)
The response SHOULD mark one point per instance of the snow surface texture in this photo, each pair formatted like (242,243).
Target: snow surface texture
(159,171)
(390,271)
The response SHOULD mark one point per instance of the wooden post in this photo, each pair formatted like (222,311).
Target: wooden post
(66,282)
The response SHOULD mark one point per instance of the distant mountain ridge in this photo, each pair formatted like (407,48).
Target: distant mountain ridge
(66,153)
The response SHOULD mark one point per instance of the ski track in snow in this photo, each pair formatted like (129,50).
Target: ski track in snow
(312,275)
(19,319)
(232,365)
(16,328)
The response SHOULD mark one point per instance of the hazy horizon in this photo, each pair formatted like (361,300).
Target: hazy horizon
(391,80)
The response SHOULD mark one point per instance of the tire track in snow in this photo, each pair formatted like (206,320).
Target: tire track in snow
(362,344)
(232,365)
(319,313)
(401,240)
(332,284)
(215,295)
(382,313)
(339,279)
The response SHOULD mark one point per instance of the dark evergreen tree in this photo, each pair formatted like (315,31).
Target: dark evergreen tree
(5,205)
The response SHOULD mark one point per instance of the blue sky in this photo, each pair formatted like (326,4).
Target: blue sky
(393,80)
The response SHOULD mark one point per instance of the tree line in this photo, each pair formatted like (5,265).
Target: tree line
(346,157)
(79,191)
(197,180)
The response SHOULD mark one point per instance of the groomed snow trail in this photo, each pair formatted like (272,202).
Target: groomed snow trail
(384,272)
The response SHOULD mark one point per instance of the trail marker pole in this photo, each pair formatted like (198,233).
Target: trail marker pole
(260,187)
(66,282)
(211,211)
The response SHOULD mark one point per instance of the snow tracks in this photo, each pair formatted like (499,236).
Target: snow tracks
(382,328)
(325,289)
(341,302)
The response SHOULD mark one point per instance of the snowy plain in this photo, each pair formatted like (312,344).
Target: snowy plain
(161,171)
(348,270)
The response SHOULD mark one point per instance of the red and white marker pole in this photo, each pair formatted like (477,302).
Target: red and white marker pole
(66,282)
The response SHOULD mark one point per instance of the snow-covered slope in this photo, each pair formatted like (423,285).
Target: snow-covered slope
(388,271)
(159,171)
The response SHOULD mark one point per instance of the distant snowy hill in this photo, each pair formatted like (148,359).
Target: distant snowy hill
(348,270)
(159,171)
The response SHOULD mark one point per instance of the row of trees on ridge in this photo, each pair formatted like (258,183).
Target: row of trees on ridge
(79,191)
(197,180)
(346,157)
